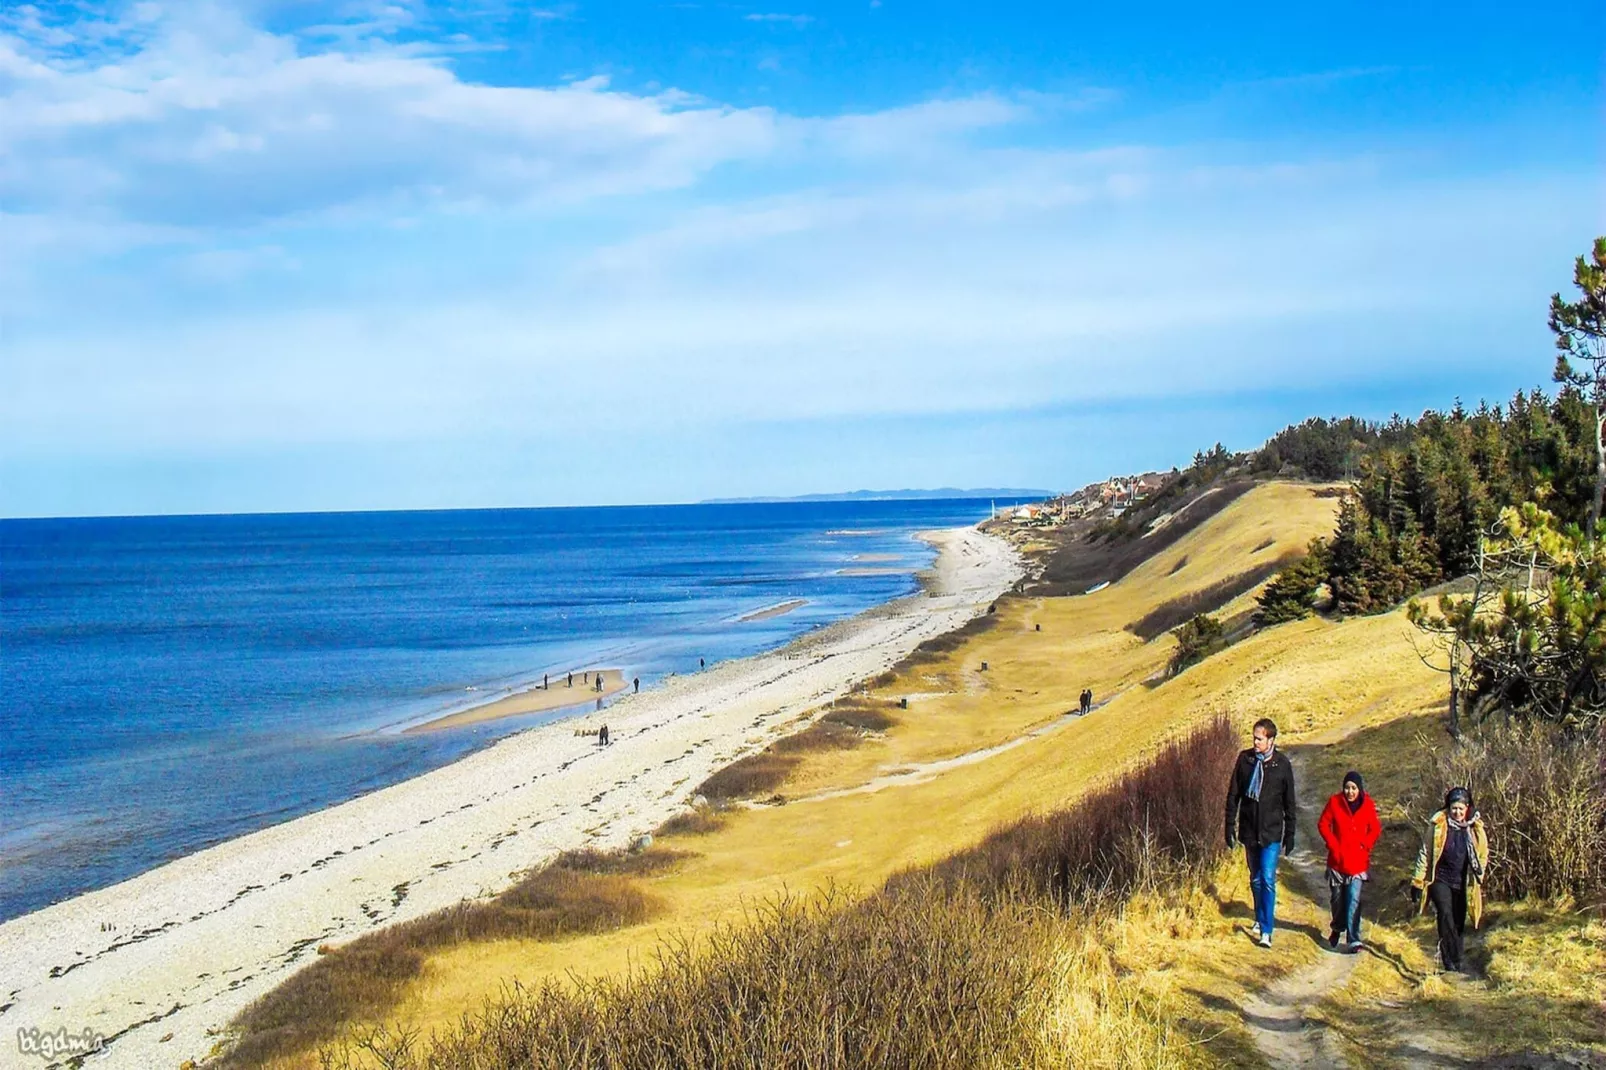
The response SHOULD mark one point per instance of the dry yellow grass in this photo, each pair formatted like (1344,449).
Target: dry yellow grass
(1180,961)
(1032,679)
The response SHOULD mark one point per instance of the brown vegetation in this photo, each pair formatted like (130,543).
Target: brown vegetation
(756,774)
(1145,829)
(1171,614)
(1543,797)
(578,892)
(966,943)
(699,821)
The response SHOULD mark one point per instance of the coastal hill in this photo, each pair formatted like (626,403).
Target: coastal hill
(856,814)
(1013,494)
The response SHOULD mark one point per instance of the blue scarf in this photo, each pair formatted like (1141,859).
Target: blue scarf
(1259,774)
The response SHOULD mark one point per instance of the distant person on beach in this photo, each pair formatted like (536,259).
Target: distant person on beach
(571,678)
(602,736)
(546,683)
(637,683)
(1450,865)
(1260,815)
(701,664)
(1350,828)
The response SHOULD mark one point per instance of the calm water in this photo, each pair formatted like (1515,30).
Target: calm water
(170,682)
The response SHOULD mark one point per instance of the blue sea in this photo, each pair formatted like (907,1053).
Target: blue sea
(170,682)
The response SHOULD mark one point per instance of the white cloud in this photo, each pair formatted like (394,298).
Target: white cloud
(214,122)
(798,21)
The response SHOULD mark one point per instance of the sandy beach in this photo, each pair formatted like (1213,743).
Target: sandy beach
(160,963)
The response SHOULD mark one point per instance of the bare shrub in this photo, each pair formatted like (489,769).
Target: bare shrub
(699,821)
(864,718)
(1152,827)
(1543,799)
(746,777)
(822,735)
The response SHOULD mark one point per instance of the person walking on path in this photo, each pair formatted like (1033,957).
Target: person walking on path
(1350,828)
(1260,815)
(1450,865)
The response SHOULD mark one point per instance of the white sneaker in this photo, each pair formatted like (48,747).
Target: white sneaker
(1254,930)
(1265,939)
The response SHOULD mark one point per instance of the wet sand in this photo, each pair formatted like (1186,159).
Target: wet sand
(535,700)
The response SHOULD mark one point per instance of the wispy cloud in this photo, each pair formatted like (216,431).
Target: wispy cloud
(798,21)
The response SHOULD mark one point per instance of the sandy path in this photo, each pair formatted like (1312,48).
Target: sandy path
(197,939)
(1276,1017)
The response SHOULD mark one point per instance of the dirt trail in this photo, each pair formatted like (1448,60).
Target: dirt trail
(1276,1018)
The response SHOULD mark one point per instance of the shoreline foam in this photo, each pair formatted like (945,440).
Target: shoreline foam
(194,941)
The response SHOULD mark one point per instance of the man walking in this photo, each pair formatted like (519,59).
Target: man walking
(1260,815)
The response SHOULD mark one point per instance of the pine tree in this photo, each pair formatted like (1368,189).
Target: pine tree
(1580,329)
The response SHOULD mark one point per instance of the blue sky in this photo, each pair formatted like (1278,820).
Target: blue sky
(296,255)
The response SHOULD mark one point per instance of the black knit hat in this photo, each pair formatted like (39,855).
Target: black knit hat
(1352,777)
(1456,795)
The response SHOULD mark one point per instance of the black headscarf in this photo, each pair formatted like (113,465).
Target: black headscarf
(1352,777)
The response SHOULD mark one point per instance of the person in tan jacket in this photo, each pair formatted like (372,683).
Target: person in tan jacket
(1451,867)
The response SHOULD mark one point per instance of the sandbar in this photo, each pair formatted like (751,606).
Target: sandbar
(778,609)
(535,700)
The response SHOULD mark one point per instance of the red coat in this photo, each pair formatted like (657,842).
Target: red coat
(1349,837)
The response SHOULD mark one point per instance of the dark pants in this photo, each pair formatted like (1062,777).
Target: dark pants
(1450,904)
(1346,903)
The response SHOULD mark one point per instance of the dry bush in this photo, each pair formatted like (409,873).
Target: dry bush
(822,735)
(865,718)
(934,977)
(966,963)
(934,648)
(1155,826)
(579,892)
(1170,614)
(699,821)
(1543,799)
(757,774)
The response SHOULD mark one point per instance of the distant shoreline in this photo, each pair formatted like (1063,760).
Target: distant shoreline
(1021,494)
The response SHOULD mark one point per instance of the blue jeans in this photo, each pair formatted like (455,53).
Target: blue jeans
(1263,883)
(1347,909)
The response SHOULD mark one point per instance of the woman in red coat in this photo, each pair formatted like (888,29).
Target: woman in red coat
(1350,827)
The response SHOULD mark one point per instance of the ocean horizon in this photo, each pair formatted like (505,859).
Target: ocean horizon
(170,682)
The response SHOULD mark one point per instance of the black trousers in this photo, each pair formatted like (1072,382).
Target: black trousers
(1450,905)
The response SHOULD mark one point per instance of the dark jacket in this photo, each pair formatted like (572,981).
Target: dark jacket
(1272,818)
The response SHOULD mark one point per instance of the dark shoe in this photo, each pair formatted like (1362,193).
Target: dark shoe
(1332,939)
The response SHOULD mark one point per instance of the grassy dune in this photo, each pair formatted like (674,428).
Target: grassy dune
(1174,966)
